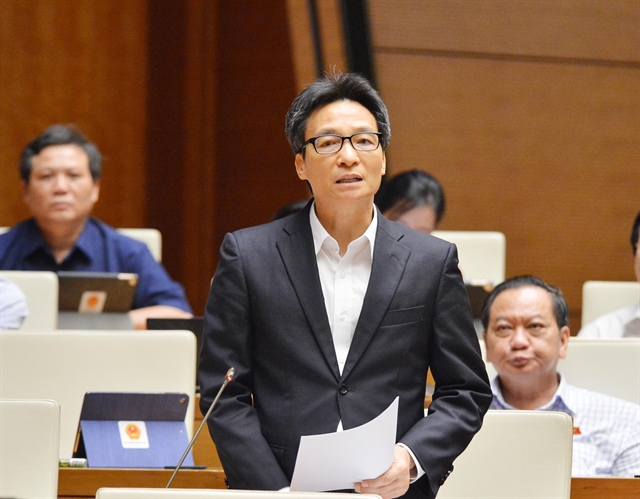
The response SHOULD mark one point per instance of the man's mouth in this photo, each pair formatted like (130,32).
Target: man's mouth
(349,180)
(519,361)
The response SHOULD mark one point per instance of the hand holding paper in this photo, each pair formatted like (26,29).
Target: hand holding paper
(337,461)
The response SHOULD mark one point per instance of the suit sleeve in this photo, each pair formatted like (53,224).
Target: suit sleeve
(462,394)
(247,459)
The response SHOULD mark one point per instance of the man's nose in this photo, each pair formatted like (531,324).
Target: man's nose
(520,339)
(61,182)
(348,155)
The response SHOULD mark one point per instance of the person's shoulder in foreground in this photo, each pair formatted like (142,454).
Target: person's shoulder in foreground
(13,305)
(60,171)
(310,309)
(526,332)
(624,322)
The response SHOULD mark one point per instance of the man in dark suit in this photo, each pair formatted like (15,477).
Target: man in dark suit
(331,314)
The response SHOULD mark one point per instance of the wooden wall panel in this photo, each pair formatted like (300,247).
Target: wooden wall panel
(544,148)
(256,85)
(61,62)
(593,29)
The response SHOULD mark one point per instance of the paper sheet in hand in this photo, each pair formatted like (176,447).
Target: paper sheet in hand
(336,461)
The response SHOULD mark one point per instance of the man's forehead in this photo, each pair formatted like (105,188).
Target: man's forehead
(524,300)
(61,152)
(346,109)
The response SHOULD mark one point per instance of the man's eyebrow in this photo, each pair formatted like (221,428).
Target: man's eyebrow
(333,131)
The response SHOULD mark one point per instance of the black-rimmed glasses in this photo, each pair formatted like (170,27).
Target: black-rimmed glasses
(331,144)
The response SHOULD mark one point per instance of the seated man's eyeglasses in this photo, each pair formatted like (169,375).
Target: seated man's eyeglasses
(331,144)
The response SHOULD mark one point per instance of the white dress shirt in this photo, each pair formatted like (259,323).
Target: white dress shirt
(621,323)
(13,305)
(344,282)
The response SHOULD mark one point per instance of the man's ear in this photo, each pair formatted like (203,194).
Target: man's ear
(384,163)
(301,167)
(96,191)
(565,334)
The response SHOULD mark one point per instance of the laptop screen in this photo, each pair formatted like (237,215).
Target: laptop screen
(96,292)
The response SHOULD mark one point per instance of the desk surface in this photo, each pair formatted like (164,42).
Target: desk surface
(76,483)
(82,483)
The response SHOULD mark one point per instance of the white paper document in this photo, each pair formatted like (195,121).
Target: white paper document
(335,461)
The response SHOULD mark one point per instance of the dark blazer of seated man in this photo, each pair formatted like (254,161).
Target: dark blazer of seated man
(60,173)
(526,333)
(332,313)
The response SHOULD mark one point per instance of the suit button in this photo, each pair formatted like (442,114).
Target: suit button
(343,390)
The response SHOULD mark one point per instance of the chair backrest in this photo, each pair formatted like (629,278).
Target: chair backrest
(134,493)
(602,297)
(64,365)
(151,237)
(516,454)
(41,290)
(29,447)
(482,254)
(609,366)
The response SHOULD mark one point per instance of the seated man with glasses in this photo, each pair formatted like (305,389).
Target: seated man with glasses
(331,314)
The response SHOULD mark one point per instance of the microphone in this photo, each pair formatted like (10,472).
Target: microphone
(227,377)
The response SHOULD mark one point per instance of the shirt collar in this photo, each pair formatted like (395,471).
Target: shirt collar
(562,400)
(89,242)
(320,235)
(34,239)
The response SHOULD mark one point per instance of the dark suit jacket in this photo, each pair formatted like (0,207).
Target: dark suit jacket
(266,317)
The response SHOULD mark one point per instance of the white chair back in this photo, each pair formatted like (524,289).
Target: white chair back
(516,454)
(609,366)
(29,447)
(64,365)
(602,297)
(151,237)
(41,290)
(131,493)
(482,254)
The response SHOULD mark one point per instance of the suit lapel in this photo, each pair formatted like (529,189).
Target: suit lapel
(297,252)
(389,261)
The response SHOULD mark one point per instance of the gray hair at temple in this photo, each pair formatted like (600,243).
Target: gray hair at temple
(332,88)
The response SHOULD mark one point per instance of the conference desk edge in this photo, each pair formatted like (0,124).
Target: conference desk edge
(83,483)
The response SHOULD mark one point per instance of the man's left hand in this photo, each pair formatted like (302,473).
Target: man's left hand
(395,481)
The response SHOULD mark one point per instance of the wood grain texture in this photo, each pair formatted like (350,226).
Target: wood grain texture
(604,30)
(61,62)
(543,148)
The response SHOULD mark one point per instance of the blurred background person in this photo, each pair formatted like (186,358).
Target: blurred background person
(290,209)
(624,322)
(414,198)
(60,171)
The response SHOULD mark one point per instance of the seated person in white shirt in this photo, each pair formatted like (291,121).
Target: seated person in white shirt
(13,305)
(526,333)
(624,322)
